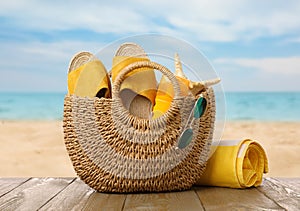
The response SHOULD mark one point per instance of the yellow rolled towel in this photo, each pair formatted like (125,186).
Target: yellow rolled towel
(236,164)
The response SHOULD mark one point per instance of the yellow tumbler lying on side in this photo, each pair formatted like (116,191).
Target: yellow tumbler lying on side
(236,164)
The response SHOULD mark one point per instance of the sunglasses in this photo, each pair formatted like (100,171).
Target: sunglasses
(197,112)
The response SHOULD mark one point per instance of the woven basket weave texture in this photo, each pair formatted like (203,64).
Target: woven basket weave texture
(114,151)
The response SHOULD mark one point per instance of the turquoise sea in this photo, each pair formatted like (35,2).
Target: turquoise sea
(265,106)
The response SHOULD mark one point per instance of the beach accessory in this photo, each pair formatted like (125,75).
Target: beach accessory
(88,77)
(198,87)
(165,91)
(114,151)
(138,89)
(236,164)
(199,108)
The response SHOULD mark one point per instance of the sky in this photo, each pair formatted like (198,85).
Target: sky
(253,45)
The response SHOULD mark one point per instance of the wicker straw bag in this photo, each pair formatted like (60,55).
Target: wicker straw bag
(114,151)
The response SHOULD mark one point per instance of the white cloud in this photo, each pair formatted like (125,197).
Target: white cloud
(35,65)
(14,55)
(292,40)
(68,15)
(214,20)
(259,74)
(194,20)
(282,66)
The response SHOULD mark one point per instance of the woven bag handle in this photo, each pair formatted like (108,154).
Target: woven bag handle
(142,64)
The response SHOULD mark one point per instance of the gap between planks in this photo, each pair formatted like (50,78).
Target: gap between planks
(72,193)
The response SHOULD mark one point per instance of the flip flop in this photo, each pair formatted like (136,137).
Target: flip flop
(138,89)
(165,91)
(88,77)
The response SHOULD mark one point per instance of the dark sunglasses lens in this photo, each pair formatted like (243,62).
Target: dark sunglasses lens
(200,107)
(185,138)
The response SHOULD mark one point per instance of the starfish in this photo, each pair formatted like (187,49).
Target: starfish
(195,87)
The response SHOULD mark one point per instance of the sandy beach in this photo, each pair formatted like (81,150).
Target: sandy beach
(36,148)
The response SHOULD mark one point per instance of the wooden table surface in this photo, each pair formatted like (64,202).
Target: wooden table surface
(73,194)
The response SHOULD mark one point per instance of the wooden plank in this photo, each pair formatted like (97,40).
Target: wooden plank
(71,194)
(32,194)
(293,183)
(286,195)
(185,200)
(8,184)
(73,197)
(216,198)
(104,201)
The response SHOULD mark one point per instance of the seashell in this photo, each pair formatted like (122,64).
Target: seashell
(178,67)
(197,87)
